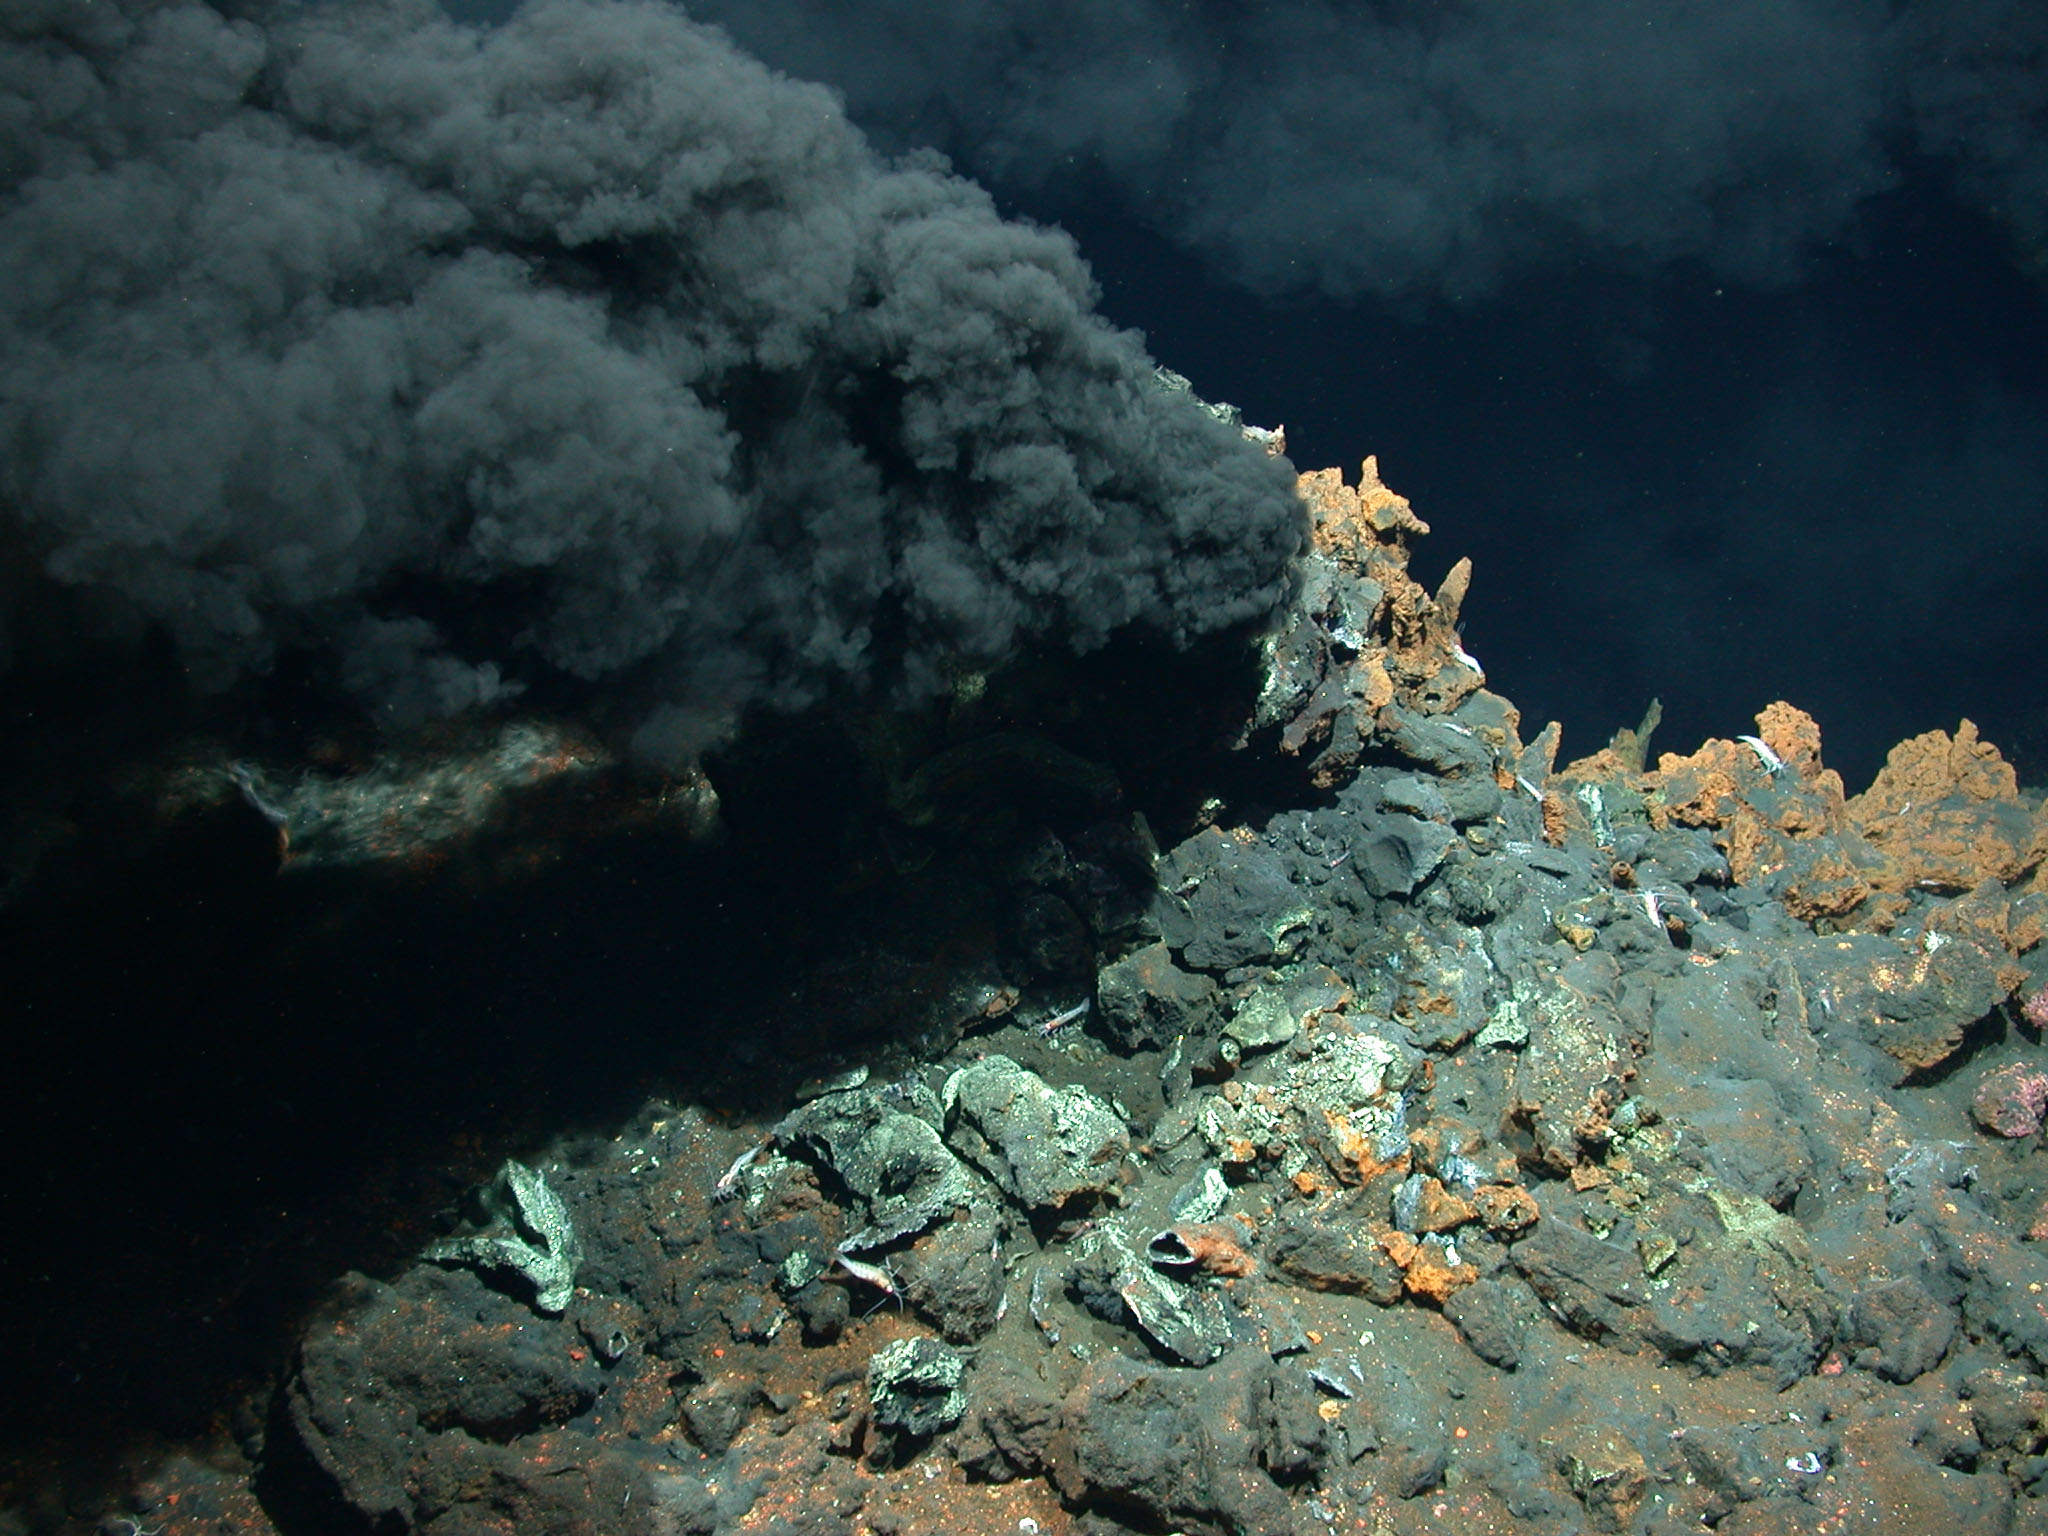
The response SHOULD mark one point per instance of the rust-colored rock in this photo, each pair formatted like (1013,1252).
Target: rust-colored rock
(1759,802)
(1588,1176)
(1945,813)
(1828,886)
(1795,736)
(1438,1210)
(1357,1161)
(1934,766)
(1427,1269)
(1556,820)
(1505,1208)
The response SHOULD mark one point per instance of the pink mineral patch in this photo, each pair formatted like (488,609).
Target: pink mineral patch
(2010,1101)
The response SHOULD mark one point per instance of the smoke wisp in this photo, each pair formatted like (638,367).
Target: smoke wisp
(1415,149)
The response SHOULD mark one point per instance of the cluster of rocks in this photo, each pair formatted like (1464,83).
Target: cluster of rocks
(1477,1143)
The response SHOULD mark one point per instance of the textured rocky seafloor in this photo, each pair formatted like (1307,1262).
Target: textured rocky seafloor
(1482,1144)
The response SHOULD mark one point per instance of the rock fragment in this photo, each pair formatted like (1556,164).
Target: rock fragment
(2010,1100)
(1186,1320)
(1146,1000)
(914,1387)
(1043,1146)
(892,1159)
(954,1277)
(530,1234)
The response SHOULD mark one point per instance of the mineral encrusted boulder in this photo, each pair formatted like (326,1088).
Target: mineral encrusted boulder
(1043,1146)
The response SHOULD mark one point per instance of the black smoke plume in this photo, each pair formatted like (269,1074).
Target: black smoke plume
(583,348)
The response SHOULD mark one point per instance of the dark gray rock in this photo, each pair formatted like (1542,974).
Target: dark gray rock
(715,1411)
(954,1277)
(2003,1280)
(1478,889)
(683,1506)
(1393,854)
(463,1486)
(1912,1000)
(1113,878)
(1051,936)
(1227,903)
(1683,856)
(1728,1462)
(393,1376)
(1414,1444)
(1488,1320)
(1331,1249)
(2009,1409)
(1520,1481)
(1413,795)
(1590,1286)
(1133,1435)
(1293,1441)
(1906,1331)
(1451,747)
(824,1311)
(1585,1032)
(1144,1000)
(1745,1308)
(1172,1446)
(1009,1433)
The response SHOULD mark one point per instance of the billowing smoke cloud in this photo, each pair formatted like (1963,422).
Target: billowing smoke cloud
(1411,147)
(584,346)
